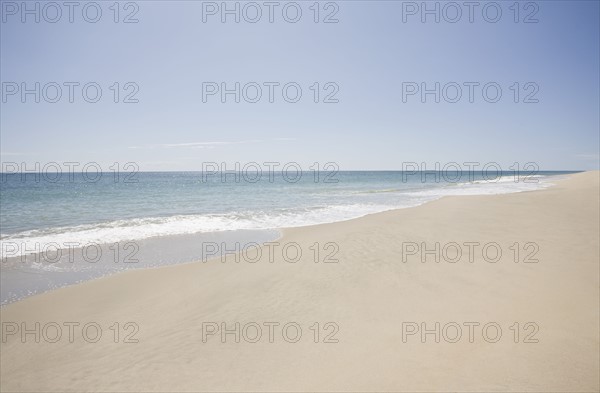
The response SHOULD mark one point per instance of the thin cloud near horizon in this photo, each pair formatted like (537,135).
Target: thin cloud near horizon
(206,145)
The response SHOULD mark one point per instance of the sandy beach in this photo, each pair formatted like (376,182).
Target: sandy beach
(516,310)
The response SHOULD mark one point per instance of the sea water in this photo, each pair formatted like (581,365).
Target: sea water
(56,231)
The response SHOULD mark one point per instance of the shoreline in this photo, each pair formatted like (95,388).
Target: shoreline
(369,294)
(280,234)
(557,174)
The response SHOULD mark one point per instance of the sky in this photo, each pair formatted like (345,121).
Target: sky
(365,63)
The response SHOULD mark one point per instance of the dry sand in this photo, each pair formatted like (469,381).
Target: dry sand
(369,294)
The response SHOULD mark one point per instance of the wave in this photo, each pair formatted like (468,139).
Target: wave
(143,228)
(383,191)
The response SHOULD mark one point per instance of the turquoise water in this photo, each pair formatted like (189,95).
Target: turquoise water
(187,207)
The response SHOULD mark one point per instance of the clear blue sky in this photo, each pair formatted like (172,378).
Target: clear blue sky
(369,53)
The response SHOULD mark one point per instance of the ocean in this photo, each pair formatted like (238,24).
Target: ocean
(61,230)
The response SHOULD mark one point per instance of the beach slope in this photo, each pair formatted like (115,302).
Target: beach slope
(512,304)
